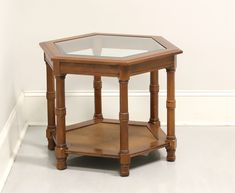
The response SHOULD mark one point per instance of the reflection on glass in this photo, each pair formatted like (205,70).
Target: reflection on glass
(109,46)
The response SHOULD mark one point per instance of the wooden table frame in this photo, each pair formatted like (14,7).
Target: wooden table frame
(58,65)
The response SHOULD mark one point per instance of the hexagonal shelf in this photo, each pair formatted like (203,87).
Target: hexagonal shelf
(103,138)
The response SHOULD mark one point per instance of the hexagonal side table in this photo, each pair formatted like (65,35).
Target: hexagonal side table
(114,55)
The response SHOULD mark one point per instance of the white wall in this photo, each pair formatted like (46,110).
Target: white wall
(203,29)
(8,86)
(12,123)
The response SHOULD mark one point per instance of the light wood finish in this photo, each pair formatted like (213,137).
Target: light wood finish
(109,66)
(124,118)
(60,129)
(80,125)
(129,122)
(98,103)
(103,139)
(170,104)
(154,89)
(121,139)
(51,108)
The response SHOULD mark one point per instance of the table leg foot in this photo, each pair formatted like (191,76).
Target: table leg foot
(124,170)
(51,144)
(124,164)
(171,149)
(170,155)
(61,164)
(61,158)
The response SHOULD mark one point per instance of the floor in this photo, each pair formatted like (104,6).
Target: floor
(205,164)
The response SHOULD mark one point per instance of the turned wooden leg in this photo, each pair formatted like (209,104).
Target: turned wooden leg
(60,149)
(171,139)
(124,117)
(98,102)
(50,108)
(154,89)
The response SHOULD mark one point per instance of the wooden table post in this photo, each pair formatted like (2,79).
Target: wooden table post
(124,118)
(97,98)
(154,90)
(171,139)
(50,95)
(60,149)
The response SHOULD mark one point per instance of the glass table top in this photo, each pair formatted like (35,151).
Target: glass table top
(109,46)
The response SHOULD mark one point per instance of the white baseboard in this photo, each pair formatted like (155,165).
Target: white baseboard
(10,139)
(193,107)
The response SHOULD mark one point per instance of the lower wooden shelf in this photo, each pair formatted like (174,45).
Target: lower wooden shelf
(102,138)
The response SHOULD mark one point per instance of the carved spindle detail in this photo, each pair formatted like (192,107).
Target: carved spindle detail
(50,95)
(61,147)
(124,118)
(170,104)
(154,90)
(98,100)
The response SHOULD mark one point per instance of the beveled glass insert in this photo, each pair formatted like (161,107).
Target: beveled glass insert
(109,46)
